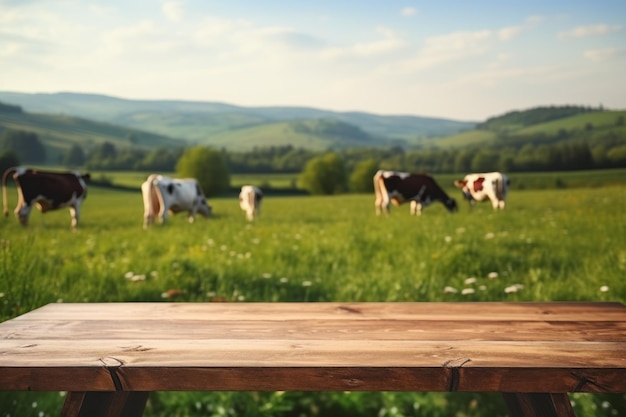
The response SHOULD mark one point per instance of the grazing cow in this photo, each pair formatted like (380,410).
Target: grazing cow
(491,185)
(163,196)
(47,190)
(250,199)
(399,187)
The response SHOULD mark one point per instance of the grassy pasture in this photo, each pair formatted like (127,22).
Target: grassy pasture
(519,181)
(549,245)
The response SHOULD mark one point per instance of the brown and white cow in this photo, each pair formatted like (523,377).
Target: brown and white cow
(46,190)
(250,199)
(399,187)
(490,185)
(163,196)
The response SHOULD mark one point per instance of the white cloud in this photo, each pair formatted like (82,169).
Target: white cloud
(173,10)
(409,11)
(587,31)
(599,55)
(507,33)
(388,42)
(534,20)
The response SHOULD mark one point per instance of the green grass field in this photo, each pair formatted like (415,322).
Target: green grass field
(548,245)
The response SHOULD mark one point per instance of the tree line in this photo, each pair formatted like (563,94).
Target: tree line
(341,170)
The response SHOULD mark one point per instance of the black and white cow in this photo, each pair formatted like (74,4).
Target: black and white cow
(250,199)
(46,190)
(490,185)
(164,195)
(399,187)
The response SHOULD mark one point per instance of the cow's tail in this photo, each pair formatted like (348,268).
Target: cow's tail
(500,187)
(378,193)
(5,176)
(149,195)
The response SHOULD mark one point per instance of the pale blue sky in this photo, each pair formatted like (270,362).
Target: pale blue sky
(460,60)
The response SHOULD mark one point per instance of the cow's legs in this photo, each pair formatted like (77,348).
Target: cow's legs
(416,208)
(74,214)
(382,205)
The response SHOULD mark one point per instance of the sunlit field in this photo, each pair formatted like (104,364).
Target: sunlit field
(548,245)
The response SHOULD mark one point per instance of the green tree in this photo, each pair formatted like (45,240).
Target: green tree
(485,161)
(361,177)
(325,174)
(8,159)
(103,156)
(75,157)
(161,159)
(206,165)
(25,144)
(463,161)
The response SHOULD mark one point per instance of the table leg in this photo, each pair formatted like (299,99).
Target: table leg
(104,404)
(538,405)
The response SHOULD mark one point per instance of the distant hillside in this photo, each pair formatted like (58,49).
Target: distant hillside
(542,125)
(58,133)
(209,122)
(538,115)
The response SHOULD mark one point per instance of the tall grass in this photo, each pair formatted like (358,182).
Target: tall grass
(548,245)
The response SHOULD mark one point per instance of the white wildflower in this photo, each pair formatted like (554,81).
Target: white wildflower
(492,275)
(470,280)
(129,275)
(513,288)
(448,239)
(1,294)
(154,274)
(136,278)
(284,280)
(450,290)
(306,284)
(467,291)
(483,288)
(604,288)
(489,235)
(266,275)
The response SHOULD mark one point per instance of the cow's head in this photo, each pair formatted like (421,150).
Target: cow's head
(462,184)
(204,208)
(451,205)
(22,214)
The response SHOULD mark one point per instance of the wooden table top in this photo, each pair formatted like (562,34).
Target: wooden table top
(506,347)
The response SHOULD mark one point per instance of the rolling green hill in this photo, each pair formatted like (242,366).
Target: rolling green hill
(59,132)
(502,131)
(203,122)
(63,119)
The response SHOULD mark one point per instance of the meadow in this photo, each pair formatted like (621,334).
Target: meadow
(548,245)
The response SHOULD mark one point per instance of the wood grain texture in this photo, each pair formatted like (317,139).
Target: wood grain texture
(504,347)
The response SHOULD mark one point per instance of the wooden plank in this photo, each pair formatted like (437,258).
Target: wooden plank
(470,311)
(497,365)
(290,353)
(510,347)
(309,329)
